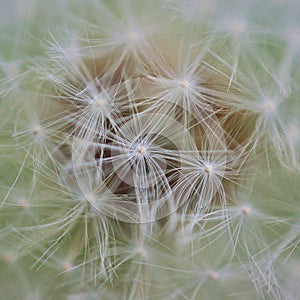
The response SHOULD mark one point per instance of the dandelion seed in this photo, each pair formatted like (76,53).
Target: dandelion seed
(213,275)
(66,266)
(269,107)
(90,199)
(246,210)
(99,102)
(13,70)
(133,36)
(8,257)
(141,252)
(237,26)
(37,129)
(24,203)
(141,150)
(208,168)
(185,84)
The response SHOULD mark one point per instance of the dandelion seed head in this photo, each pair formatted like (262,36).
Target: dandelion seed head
(246,210)
(213,275)
(37,129)
(66,266)
(23,202)
(141,150)
(185,84)
(99,102)
(89,198)
(182,157)
(133,36)
(72,51)
(8,257)
(237,26)
(208,168)
(13,70)
(269,106)
(131,39)
(141,252)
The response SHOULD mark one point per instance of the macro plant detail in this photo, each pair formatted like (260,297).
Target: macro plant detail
(149,150)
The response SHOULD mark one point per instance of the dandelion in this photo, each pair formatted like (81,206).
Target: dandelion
(149,150)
